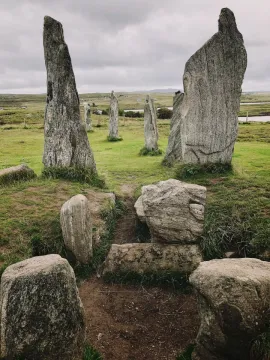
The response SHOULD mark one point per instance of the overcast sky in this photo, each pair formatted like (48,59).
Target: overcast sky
(126,45)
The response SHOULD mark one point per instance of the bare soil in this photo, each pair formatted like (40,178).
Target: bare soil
(127,322)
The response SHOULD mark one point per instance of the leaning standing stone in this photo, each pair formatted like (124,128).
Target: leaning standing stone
(76,223)
(234,302)
(150,125)
(113,122)
(87,117)
(66,142)
(207,123)
(42,315)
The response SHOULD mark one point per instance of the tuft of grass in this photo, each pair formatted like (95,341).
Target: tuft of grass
(91,354)
(186,355)
(24,174)
(113,139)
(168,280)
(260,349)
(187,171)
(144,152)
(82,175)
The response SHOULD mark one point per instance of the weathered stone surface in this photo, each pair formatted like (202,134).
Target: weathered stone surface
(66,142)
(173,210)
(16,173)
(152,258)
(234,298)
(150,125)
(76,223)
(113,121)
(87,117)
(207,123)
(42,315)
(174,143)
(139,209)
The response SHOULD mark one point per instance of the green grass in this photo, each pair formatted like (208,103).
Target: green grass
(146,152)
(91,354)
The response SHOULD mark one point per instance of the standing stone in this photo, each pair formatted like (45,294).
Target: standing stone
(234,300)
(76,223)
(150,125)
(113,122)
(66,142)
(174,143)
(207,123)
(87,117)
(42,316)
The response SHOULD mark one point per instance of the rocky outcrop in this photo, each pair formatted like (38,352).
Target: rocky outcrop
(76,223)
(150,125)
(16,173)
(173,211)
(207,123)
(233,296)
(66,142)
(87,117)
(152,258)
(41,313)
(113,121)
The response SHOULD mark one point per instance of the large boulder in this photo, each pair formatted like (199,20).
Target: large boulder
(66,142)
(41,313)
(113,121)
(152,259)
(207,124)
(150,125)
(234,298)
(173,211)
(16,173)
(76,223)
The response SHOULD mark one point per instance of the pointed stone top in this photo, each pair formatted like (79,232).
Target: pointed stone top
(55,28)
(147,98)
(227,21)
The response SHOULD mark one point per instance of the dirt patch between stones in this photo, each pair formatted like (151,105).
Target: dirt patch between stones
(127,322)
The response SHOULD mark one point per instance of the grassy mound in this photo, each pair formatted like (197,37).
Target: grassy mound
(144,152)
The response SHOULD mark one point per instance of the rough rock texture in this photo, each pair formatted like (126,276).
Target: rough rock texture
(234,298)
(66,142)
(152,258)
(16,173)
(87,117)
(207,123)
(173,210)
(76,223)
(113,122)
(174,143)
(139,209)
(150,125)
(41,313)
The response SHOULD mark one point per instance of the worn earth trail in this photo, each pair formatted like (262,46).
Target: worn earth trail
(127,322)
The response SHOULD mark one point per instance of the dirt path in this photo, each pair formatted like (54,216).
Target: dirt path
(136,323)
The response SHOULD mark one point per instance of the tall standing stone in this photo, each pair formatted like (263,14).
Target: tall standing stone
(206,127)
(87,117)
(66,142)
(113,122)
(150,125)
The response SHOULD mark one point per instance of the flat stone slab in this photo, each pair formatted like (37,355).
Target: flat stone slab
(152,258)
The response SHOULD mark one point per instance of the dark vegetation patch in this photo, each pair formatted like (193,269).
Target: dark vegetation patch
(187,171)
(12,177)
(164,113)
(82,175)
(113,139)
(91,354)
(186,355)
(146,152)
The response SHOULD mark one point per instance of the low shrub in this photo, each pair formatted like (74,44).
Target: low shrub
(134,114)
(83,175)
(144,152)
(113,139)
(186,171)
(164,113)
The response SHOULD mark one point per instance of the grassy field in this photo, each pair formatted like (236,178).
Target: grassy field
(238,204)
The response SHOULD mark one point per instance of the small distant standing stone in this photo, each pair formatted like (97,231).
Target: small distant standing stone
(150,125)
(76,223)
(42,316)
(66,142)
(113,122)
(87,117)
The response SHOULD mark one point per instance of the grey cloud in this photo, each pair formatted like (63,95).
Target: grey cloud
(125,44)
